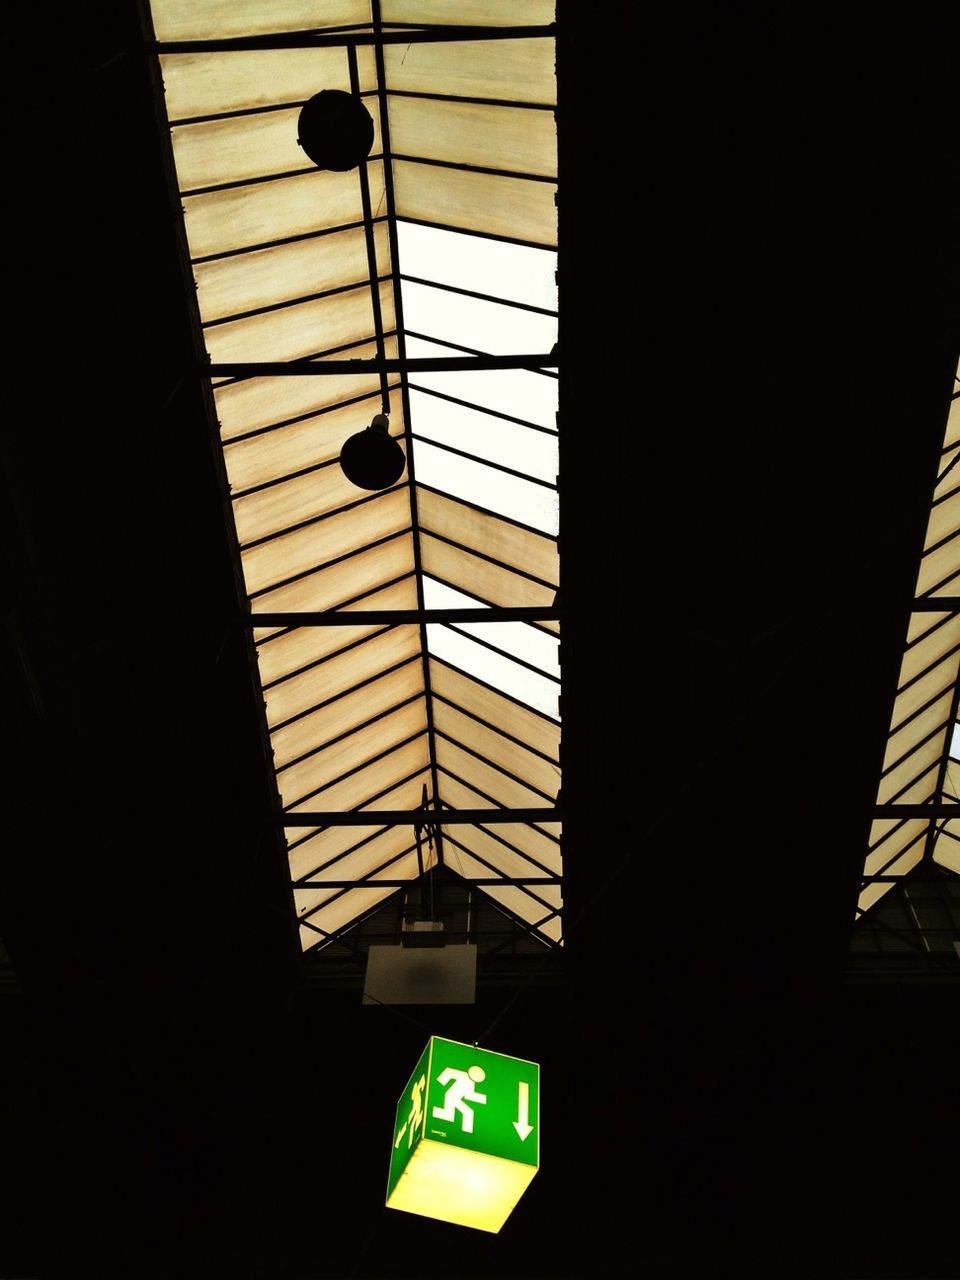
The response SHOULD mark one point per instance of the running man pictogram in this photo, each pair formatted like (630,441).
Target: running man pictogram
(460,1092)
(409,1126)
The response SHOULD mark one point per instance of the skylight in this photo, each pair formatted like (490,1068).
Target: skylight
(440,250)
(920,781)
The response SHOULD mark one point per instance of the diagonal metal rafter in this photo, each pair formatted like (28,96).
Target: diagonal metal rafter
(390,202)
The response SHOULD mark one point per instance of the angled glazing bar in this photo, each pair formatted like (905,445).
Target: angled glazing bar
(302,881)
(929,604)
(544,816)
(395,617)
(918,639)
(494,515)
(915,746)
(500,839)
(929,593)
(489,866)
(942,542)
(472,786)
(338,39)
(550,363)
(472,293)
(321,367)
(315,927)
(505,653)
(405,884)
(318,568)
(289,475)
(931,666)
(883,880)
(933,810)
(912,782)
(925,706)
(238,183)
(260,370)
(921,835)
(532,620)
(303,524)
(288,818)
(946,471)
(343,693)
(408,817)
(479,102)
(275,244)
(344,608)
(327,657)
(238,114)
(357,728)
(482,555)
(484,462)
(304,417)
(469,675)
(484,235)
(479,408)
(296,302)
(366,883)
(508,943)
(309,835)
(313,882)
(898,826)
(951,493)
(472,168)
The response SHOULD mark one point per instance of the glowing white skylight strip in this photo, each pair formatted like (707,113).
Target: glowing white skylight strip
(511,271)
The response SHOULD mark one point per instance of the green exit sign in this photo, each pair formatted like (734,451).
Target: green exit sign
(466,1141)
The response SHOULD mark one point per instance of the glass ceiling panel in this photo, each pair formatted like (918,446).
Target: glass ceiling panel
(533,453)
(924,738)
(513,272)
(441,244)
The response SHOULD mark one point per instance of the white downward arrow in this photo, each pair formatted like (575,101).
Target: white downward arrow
(521,1124)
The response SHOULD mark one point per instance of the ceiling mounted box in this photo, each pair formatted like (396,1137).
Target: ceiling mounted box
(431,975)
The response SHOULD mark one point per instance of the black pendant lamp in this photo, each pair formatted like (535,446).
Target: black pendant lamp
(372,459)
(335,129)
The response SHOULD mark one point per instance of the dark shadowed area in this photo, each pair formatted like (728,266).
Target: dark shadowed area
(760,322)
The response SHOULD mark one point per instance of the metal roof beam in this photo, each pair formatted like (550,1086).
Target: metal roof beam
(413,364)
(409,817)
(398,617)
(339,39)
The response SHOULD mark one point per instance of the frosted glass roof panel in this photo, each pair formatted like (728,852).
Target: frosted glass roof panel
(212,19)
(924,737)
(506,70)
(265,277)
(513,139)
(207,84)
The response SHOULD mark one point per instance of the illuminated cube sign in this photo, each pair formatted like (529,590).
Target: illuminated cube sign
(466,1140)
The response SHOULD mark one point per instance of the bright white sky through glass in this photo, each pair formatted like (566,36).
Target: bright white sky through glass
(484,266)
(528,643)
(526,443)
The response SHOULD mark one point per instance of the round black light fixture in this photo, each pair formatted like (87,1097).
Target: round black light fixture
(335,129)
(372,459)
